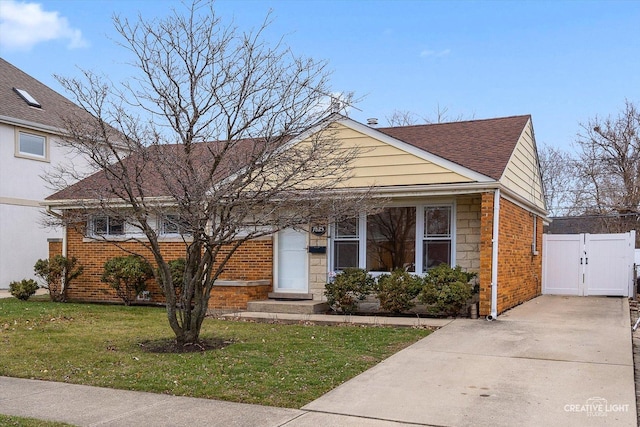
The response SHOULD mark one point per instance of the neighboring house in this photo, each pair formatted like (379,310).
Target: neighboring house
(29,148)
(595,224)
(465,193)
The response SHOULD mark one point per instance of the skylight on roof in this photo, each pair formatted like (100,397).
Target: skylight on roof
(27,97)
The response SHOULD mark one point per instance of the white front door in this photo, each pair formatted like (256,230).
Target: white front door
(292,274)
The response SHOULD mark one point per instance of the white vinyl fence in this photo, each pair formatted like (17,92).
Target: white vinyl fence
(588,264)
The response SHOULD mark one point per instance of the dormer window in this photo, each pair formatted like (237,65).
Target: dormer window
(26,96)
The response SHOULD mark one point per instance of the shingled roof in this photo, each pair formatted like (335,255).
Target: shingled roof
(484,146)
(53,105)
(146,166)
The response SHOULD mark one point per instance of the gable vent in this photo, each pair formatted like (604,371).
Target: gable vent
(30,100)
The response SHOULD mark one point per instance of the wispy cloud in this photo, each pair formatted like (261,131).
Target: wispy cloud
(435,53)
(23,25)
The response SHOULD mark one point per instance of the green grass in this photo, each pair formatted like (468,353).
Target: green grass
(268,364)
(11,421)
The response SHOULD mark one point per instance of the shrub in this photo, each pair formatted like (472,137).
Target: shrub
(176,268)
(397,291)
(58,273)
(127,275)
(347,288)
(446,289)
(23,289)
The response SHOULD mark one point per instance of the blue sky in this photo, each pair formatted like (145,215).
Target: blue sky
(563,62)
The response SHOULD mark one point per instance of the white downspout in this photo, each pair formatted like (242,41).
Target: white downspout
(494,256)
(64,240)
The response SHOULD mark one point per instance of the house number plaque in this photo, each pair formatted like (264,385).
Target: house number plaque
(319,230)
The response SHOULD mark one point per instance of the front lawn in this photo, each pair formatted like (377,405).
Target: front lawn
(108,346)
(10,421)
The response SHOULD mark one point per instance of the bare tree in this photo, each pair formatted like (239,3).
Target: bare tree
(442,115)
(409,118)
(558,180)
(402,118)
(197,81)
(609,163)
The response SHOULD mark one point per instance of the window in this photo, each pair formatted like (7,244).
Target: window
(346,244)
(414,238)
(391,240)
(106,225)
(26,96)
(31,145)
(171,224)
(436,242)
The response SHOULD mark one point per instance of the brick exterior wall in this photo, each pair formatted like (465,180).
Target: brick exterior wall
(252,261)
(519,269)
(55,247)
(237,297)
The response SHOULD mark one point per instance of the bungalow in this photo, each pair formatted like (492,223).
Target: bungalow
(466,193)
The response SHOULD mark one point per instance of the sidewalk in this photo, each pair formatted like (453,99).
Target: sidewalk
(94,406)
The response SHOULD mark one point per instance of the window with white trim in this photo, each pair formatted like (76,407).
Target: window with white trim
(171,224)
(107,226)
(31,145)
(346,244)
(414,238)
(436,241)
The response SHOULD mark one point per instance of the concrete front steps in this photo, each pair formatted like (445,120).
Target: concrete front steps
(288,306)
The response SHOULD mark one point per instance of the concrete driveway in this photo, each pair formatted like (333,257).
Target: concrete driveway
(556,361)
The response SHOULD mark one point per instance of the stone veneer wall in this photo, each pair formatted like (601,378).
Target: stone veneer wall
(318,267)
(468,232)
(519,269)
(467,245)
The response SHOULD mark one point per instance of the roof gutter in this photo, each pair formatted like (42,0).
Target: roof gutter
(96,203)
(424,190)
(429,190)
(32,125)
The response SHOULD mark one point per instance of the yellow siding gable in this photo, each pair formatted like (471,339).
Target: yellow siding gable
(522,174)
(381,164)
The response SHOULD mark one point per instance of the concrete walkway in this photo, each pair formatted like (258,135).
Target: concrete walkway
(332,319)
(557,361)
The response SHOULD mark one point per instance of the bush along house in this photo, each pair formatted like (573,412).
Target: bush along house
(466,193)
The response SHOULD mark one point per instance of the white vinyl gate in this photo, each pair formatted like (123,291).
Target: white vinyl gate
(588,264)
